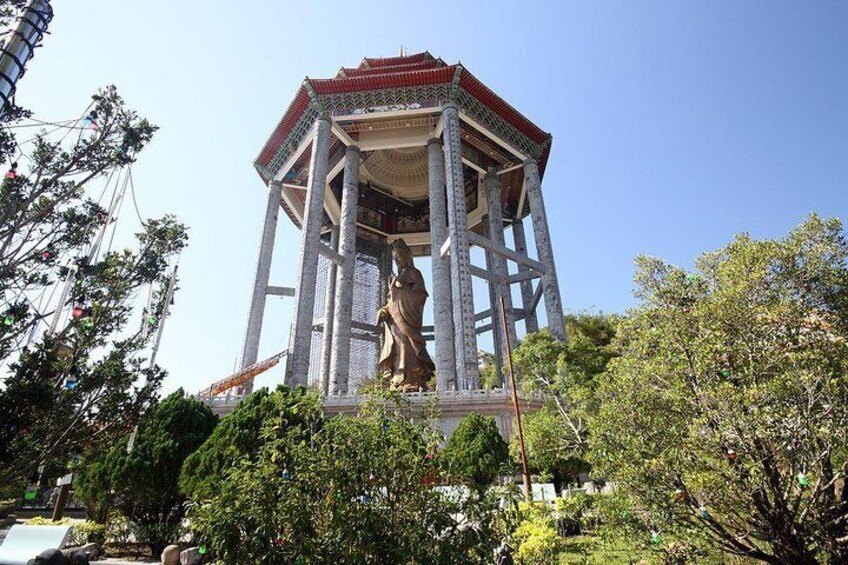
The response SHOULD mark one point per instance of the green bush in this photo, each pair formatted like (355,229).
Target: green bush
(83,532)
(536,537)
(475,453)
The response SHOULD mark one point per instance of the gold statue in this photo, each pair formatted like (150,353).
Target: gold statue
(404,360)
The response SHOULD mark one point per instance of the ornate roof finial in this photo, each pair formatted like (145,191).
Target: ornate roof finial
(402,50)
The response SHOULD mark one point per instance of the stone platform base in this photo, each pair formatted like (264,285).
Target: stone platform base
(452,406)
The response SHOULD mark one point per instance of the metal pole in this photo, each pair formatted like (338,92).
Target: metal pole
(19,46)
(528,491)
(168,296)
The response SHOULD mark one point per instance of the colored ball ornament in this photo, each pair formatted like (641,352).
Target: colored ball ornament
(70,383)
(731,455)
(77,311)
(285,475)
(803,480)
(9,320)
(656,537)
(201,550)
(726,372)
(31,492)
(152,320)
(702,512)
(13,171)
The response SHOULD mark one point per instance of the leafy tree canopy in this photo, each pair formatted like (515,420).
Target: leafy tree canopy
(726,414)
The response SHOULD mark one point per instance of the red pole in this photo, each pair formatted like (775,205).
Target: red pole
(528,491)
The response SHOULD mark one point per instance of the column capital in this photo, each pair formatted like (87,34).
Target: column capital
(434,140)
(530,162)
(274,183)
(491,174)
(353,149)
(324,118)
(450,105)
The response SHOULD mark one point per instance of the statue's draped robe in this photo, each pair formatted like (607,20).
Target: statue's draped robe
(404,355)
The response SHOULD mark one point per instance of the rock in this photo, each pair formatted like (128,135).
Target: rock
(76,556)
(92,550)
(191,556)
(171,555)
(51,557)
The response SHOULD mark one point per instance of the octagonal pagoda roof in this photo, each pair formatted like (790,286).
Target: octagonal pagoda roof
(406,82)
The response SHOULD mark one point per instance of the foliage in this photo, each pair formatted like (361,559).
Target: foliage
(345,490)
(83,531)
(538,542)
(489,377)
(47,226)
(145,480)
(237,436)
(475,452)
(726,414)
(556,436)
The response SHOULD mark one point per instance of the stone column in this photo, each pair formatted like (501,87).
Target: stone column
(250,350)
(442,311)
(300,344)
(496,233)
(531,322)
(465,339)
(544,249)
(497,340)
(329,315)
(340,360)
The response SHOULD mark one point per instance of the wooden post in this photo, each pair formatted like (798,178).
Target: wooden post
(528,491)
(61,501)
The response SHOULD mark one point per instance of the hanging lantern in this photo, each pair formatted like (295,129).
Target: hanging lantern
(78,311)
(91,120)
(702,512)
(726,372)
(13,171)
(70,383)
(731,455)
(656,537)
(680,494)
(364,499)
(31,492)
(429,456)
(75,460)
(279,542)
(285,475)
(790,450)
(201,550)
(9,319)
(803,480)
(152,320)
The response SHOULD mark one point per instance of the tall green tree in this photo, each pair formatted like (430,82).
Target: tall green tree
(88,381)
(144,481)
(556,436)
(726,415)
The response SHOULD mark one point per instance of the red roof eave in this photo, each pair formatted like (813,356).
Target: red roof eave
(293,113)
(380,81)
(484,94)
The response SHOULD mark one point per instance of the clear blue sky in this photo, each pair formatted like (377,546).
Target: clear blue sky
(676,124)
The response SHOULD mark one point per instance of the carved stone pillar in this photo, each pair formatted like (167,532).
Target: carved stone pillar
(300,346)
(250,351)
(465,338)
(340,360)
(531,322)
(445,357)
(544,249)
